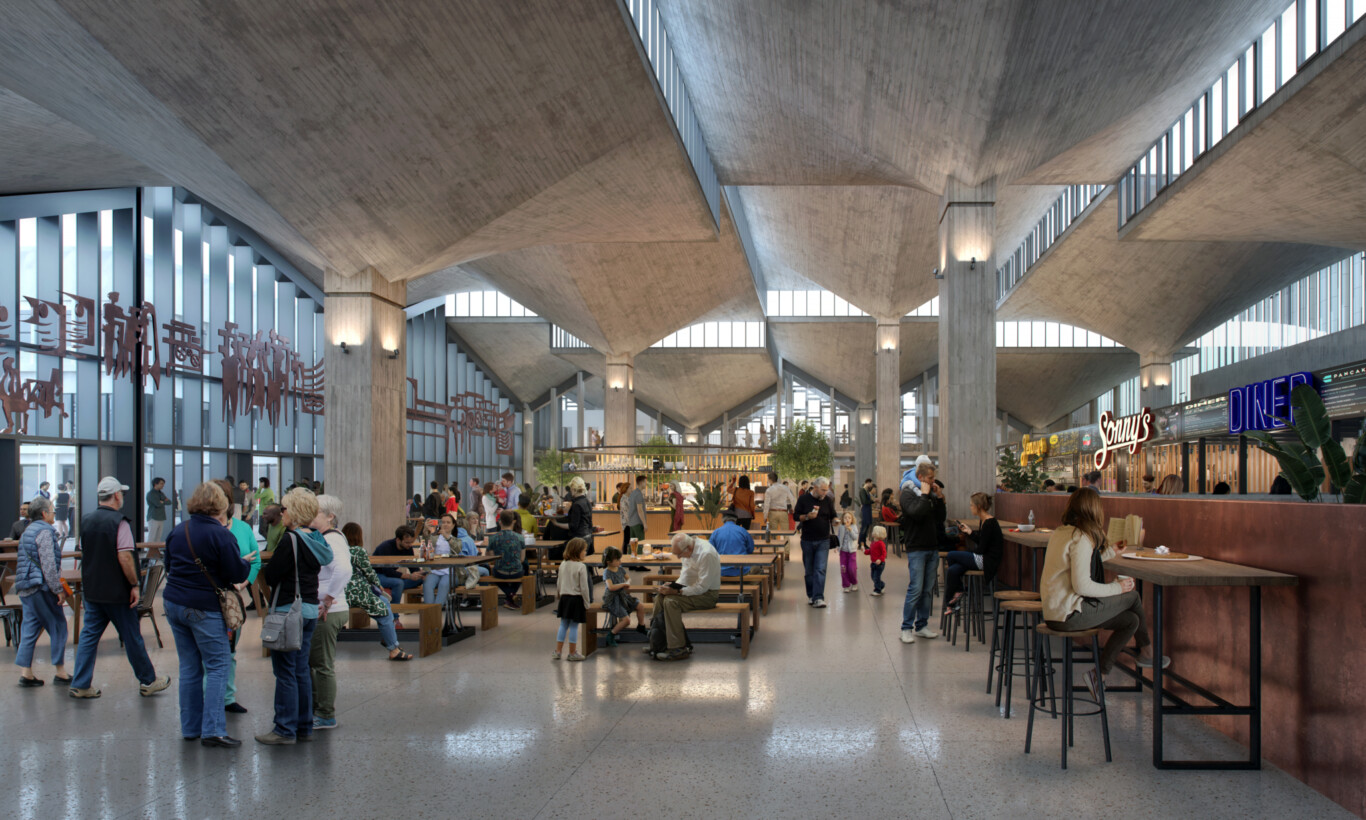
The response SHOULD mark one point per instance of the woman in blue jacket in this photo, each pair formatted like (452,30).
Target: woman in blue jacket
(192,610)
(38,582)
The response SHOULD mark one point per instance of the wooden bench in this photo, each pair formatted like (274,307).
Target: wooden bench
(528,583)
(589,639)
(759,580)
(428,624)
(488,604)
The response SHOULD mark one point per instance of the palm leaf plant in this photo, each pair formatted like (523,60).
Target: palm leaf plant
(1314,454)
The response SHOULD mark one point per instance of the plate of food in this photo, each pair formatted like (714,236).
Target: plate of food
(1159,554)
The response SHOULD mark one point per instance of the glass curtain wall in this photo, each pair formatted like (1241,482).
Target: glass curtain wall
(142,336)
(460,424)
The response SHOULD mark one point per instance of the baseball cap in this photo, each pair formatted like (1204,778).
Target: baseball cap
(108,486)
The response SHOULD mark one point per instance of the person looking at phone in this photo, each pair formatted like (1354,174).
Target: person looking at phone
(1075,593)
(815,513)
(698,586)
(921,530)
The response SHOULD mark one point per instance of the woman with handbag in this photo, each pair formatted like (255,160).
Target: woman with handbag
(202,565)
(288,630)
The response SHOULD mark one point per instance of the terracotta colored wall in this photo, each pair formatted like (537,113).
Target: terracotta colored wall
(1313,635)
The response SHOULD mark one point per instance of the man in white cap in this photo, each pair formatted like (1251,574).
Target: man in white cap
(110,588)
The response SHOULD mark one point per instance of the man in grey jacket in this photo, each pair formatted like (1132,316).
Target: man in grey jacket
(922,550)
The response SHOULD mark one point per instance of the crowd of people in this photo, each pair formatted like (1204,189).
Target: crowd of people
(321,568)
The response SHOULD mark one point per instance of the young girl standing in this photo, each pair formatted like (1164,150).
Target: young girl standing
(877,557)
(615,597)
(847,533)
(574,592)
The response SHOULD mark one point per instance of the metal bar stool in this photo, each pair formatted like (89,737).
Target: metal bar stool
(970,611)
(999,597)
(1021,616)
(1069,689)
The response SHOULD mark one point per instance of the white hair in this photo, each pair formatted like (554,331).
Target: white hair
(37,507)
(577,487)
(682,540)
(330,506)
(820,482)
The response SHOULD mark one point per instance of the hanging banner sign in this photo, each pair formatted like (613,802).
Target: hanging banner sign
(1263,405)
(1128,433)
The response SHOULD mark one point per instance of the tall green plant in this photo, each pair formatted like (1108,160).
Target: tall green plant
(802,452)
(550,470)
(1017,477)
(1315,454)
(708,501)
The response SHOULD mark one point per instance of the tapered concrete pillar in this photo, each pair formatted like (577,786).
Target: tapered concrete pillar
(366,446)
(888,443)
(528,445)
(1154,381)
(865,441)
(619,417)
(967,342)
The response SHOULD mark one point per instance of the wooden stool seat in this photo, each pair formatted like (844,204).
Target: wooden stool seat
(1015,595)
(1022,606)
(1045,629)
(976,572)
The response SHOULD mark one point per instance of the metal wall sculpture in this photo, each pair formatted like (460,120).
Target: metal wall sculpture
(260,372)
(463,416)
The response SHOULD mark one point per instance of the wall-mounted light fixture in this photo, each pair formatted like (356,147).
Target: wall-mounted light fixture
(393,354)
(344,348)
(865,416)
(936,274)
(973,264)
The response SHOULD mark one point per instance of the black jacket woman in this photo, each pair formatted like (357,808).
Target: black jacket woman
(987,546)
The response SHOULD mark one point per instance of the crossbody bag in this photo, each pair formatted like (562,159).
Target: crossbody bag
(284,631)
(229,602)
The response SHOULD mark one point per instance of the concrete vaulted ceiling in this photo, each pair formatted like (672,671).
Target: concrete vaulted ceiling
(843,354)
(1040,386)
(1294,170)
(1153,297)
(519,352)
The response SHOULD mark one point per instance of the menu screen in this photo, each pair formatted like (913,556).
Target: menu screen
(1182,422)
(1344,391)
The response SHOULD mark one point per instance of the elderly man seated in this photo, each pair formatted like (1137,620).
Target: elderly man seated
(698,587)
(732,539)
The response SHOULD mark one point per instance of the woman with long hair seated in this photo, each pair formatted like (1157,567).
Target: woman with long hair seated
(1075,593)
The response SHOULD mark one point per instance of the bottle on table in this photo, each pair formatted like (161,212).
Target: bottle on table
(1031,518)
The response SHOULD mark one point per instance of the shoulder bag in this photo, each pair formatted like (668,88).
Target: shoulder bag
(234,613)
(284,631)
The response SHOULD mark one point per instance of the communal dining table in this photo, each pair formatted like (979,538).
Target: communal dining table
(763,563)
(1163,573)
(454,630)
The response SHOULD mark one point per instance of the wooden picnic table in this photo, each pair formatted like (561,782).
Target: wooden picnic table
(666,559)
(1204,573)
(454,630)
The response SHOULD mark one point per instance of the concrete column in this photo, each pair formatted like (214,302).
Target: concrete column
(922,413)
(865,453)
(581,440)
(366,399)
(554,420)
(619,419)
(967,341)
(528,445)
(1154,381)
(888,442)
(691,435)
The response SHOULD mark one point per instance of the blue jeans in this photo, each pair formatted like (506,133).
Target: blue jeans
(230,690)
(436,589)
(294,687)
(41,612)
(959,562)
(815,555)
(388,636)
(865,525)
(125,621)
(569,630)
(877,575)
(922,565)
(201,641)
(397,586)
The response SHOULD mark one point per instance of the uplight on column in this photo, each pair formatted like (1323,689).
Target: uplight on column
(888,337)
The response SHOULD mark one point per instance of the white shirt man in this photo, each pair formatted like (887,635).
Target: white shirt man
(777,498)
(700,579)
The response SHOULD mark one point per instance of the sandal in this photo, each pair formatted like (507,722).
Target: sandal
(401,656)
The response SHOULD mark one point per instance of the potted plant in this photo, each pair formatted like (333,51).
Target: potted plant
(1315,454)
(708,501)
(1017,477)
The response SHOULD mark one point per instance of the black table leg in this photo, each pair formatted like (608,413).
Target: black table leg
(1255,679)
(1157,676)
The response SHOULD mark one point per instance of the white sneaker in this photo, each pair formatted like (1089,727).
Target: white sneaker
(1147,663)
(907,636)
(554,656)
(926,632)
(847,590)
(820,603)
(854,588)
(876,594)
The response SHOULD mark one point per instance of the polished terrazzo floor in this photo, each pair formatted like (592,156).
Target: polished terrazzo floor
(831,716)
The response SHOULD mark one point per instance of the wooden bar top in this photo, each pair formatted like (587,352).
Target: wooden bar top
(665,559)
(1035,539)
(1203,573)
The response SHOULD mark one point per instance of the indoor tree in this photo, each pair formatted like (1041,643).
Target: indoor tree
(802,452)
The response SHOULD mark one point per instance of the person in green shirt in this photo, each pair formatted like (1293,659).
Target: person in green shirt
(246,545)
(264,497)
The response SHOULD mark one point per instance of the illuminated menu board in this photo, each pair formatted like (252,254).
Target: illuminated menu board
(1344,390)
(1182,422)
